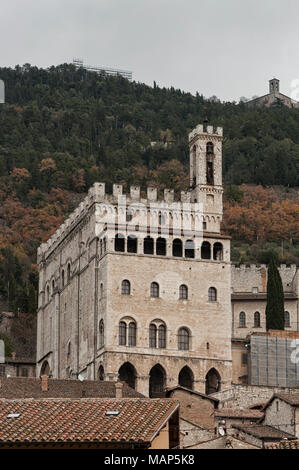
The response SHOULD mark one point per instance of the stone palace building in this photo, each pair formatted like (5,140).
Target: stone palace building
(142,289)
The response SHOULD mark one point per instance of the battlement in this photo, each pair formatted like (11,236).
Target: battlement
(97,195)
(209,130)
(258,267)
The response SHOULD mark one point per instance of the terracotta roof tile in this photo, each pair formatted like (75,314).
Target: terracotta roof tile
(27,387)
(284,445)
(84,420)
(291,399)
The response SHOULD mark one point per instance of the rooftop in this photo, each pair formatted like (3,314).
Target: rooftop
(25,387)
(261,431)
(85,420)
(239,413)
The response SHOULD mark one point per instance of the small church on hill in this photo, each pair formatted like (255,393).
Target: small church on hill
(274,97)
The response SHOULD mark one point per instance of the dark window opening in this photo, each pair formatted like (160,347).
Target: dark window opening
(122,340)
(148,246)
(257,320)
(242,320)
(154,289)
(186,378)
(127,373)
(132,244)
(183,339)
(210,173)
(213,382)
(210,148)
(119,243)
(157,382)
(189,249)
(161,247)
(206,250)
(101,374)
(152,336)
(162,336)
(177,248)
(183,294)
(287,323)
(132,334)
(125,287)
(212,294)
(218,252)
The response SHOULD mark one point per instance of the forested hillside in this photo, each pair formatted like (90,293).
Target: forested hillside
(62,129)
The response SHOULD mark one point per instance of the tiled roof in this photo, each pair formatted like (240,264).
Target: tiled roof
(84,420)
(290,398)
(263,432)
(239,413)
(27,387)
(284,445)
(202,395)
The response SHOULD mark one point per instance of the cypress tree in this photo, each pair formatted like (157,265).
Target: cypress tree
(275,299)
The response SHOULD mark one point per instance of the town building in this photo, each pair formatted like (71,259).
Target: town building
(89,423)
(139,288)
(282,412)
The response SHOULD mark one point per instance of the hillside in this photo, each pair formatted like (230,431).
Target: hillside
(62,129)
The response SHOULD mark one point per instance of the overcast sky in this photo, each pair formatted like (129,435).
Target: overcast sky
(228,48)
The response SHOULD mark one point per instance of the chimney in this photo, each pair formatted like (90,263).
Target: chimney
(119,390)
(44,379)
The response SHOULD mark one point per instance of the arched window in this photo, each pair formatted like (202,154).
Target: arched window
(148,246)
(127,373)
(125,287)
(157,379)
(101,374)
(101,247)
(213,381)
(186,378)
(101,291)
(45,369)
(177,248)
(210,163)
(53,287)
(189,249)
(152,336)
(101,334)
(206,250)
(119,242)
(154,289)
(287,323)
(161,219)
(210,148)
(68,272)
(162,337)
(257,320)
(242,320)
(132,244)
(62,278)
(183,295)
(48,293)
(132,333)
(161,247)
(212,294)
(218,251)
(122,333)
(104,245)
(183,339)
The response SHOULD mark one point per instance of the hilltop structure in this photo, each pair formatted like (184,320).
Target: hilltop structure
(274,97)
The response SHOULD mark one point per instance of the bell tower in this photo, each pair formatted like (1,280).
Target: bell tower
(274,86)
(205,144)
